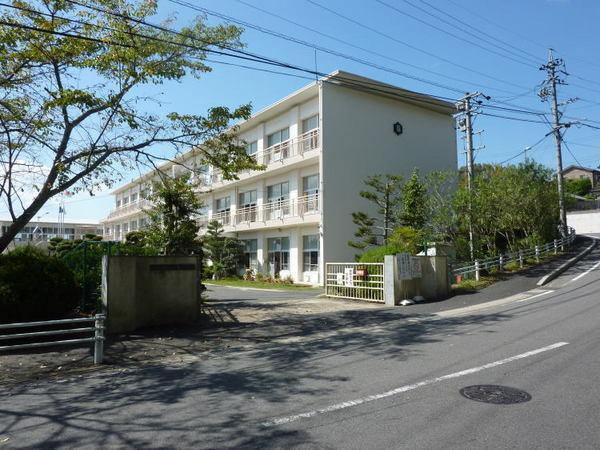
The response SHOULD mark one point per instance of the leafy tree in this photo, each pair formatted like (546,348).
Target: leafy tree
(401,240)
(385,193)
(224,253)
(581,187)
(172,228)
(415,211)
(73,109)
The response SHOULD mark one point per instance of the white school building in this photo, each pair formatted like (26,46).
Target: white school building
(318,145)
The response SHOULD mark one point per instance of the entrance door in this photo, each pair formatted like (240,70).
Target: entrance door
(279,255)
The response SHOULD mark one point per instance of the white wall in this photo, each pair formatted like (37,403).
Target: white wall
(584,221)
(295,234)
(359,140)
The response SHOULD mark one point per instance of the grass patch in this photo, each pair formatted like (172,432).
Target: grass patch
(237,282)
(472,285)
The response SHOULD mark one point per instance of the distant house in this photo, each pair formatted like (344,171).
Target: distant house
(578,172)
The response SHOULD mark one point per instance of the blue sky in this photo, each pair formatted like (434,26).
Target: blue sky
(525,28)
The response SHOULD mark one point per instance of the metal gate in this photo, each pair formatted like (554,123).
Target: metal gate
(361,281)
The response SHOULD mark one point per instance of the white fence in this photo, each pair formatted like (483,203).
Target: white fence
(474,268)
(361,281)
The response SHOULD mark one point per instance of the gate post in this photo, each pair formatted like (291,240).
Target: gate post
(389,280)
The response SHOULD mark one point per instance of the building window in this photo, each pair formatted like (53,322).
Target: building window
(279,255)
(277,200)
(117,231)
(310,192)
(250,253)
(125,229)
(125,200)
(310,253)
(278,137)
(312,123)
(118,203)
(134,225)
(143,223)
(247,206)
(310,185)
(223,208)
(252,148)
(134,197)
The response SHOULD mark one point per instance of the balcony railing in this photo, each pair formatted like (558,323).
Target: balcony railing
(283,151)
(129,208)
(276,210)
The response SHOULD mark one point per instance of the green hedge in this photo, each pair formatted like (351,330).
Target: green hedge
(35,286)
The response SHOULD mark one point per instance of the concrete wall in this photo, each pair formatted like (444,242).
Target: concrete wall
(584,221)
(433,284)
(358,140)
(142,291)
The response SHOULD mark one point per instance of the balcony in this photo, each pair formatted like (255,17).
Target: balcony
(283,152)
(130,208)
(292,211)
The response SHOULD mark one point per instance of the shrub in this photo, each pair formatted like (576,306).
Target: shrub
(377,254)
(35,286)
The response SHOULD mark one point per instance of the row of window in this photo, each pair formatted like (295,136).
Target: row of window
(283,135)
(278,192)
(278,253)
(125,228)
(132,198)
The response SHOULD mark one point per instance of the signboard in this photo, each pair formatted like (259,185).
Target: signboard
(349,276)
(415,267)
(404,272)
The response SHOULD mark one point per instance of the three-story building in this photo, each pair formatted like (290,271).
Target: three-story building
(317,145)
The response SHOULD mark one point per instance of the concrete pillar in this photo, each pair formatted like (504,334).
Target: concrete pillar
(390,286)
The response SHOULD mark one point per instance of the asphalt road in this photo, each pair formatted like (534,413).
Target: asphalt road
(393,384)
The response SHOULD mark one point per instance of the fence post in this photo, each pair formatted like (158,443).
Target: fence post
(537,253)
(84,287)
(521,259)
(476,270)
(501,263)
(555,247)
(99,339)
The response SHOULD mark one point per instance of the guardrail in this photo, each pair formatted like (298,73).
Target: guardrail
(97,338)
(520,256)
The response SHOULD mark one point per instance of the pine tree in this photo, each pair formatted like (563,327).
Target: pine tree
(224,253)
(385,192)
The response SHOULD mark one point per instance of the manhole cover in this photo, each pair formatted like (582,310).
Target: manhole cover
(498,395)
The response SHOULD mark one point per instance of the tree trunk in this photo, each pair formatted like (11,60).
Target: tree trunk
(22,220)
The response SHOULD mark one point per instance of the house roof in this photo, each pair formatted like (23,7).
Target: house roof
(585,169)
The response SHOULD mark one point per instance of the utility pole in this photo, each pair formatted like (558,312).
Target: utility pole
(553,68)
(466,112)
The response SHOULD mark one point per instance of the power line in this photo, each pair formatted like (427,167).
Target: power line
(530,56)
(526,149)
(412,47)
(314,46)
(372,52)
(476,44)
(571,153)
(363,85)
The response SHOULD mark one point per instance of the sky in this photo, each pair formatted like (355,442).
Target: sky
(495,47)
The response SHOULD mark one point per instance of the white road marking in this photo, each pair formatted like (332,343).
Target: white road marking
(581,275)
(534,296)
(406,388)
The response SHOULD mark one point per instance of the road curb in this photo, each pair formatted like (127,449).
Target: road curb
(556,272)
